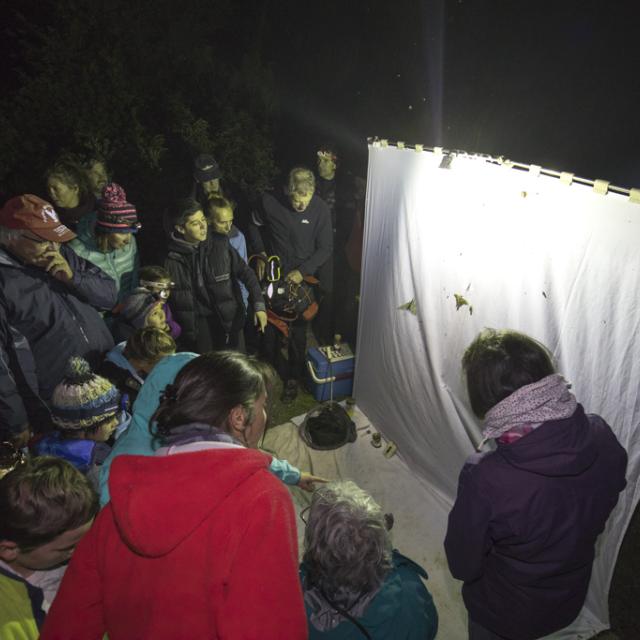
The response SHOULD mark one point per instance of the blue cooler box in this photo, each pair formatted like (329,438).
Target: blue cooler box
(323,364)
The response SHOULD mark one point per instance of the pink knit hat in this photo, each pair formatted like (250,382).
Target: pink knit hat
(115,214)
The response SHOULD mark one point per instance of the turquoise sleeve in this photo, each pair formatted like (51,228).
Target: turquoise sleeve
(284,471)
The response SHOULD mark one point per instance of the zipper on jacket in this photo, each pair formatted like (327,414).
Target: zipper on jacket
(75,317)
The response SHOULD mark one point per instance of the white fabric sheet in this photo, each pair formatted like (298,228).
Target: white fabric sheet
(558,262)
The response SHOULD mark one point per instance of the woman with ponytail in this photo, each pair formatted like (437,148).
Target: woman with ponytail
(198,540)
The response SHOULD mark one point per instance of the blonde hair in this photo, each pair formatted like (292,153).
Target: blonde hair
(149,344)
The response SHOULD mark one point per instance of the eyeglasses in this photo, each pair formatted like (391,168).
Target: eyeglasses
(34,240)
(303,514)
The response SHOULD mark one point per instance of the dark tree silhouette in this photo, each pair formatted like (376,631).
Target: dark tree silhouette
(146,84)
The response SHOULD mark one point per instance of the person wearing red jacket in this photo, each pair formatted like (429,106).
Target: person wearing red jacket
(198,541)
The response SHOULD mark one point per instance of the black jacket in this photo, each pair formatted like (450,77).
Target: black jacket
(303,241)
(206,284)
(44,322)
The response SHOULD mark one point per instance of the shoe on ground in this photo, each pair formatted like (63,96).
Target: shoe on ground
(290,392)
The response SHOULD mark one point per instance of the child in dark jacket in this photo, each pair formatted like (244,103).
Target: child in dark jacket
(128,363)
(87,410)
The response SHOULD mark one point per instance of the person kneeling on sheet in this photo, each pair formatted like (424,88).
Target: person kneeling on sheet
(198,540)
(47,506)
(355,584)
(523,529)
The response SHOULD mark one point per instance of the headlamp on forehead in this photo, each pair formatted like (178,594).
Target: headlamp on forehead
(161,289)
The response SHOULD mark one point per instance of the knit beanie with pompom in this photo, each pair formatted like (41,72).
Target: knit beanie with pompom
(83,399)
(115,214)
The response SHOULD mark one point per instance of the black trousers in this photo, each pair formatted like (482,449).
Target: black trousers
(211,337)
(291,368)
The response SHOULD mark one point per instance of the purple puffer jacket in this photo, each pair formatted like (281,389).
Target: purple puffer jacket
(174,328)
(523,528)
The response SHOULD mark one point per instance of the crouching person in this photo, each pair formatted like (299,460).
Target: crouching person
(355,584)
(86,410)
(47,506)
(198,540)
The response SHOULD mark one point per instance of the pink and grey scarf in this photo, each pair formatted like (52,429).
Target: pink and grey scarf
(527,408)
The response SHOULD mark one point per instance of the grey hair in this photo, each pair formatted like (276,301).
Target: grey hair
(347,546)
(301,180)
(7,236)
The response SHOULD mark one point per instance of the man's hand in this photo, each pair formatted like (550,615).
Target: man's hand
(261,266)
(294,276)
(306,481)
(56,266)
(260,320)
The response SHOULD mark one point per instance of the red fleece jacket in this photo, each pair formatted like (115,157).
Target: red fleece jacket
(193,545)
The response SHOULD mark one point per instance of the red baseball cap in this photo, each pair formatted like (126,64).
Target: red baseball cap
(34,214)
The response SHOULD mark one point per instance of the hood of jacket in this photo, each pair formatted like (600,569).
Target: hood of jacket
(178,245)
(147,492)
(557,448)
(116,355)
(233,232)
(86,231)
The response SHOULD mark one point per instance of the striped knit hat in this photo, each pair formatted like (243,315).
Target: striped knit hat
(83,399)
(115,214)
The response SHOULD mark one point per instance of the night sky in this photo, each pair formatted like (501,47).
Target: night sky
(551,83)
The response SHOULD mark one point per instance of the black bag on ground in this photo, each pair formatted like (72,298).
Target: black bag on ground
(327,426)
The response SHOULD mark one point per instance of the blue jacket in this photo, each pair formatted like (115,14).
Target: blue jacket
(402,609)
(137,439)
(44,322)
(239,243)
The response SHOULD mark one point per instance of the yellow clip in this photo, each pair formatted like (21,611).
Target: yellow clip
(438,151)
(601,187)
(419,148)
(400,145)
(566,178)
(384,143)
(634,196)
